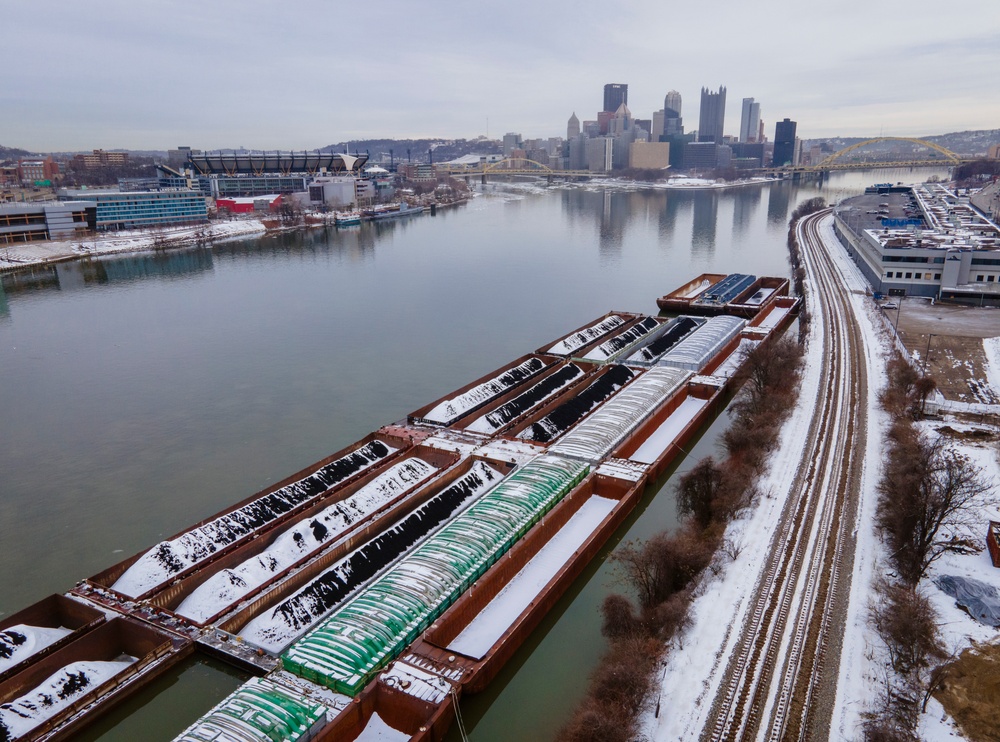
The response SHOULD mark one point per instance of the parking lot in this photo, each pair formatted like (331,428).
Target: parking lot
(949,339)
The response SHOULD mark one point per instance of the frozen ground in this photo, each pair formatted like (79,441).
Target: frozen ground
(696,659)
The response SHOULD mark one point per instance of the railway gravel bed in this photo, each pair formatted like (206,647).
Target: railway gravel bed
(781,681)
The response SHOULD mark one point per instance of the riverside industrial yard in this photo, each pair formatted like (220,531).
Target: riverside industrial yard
(382,589)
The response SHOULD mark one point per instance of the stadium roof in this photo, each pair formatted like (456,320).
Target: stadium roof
(270,163)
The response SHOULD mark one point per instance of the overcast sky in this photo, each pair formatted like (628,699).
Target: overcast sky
(155,74)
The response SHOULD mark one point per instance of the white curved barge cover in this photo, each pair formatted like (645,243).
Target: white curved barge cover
(260,710)
(599,434)
(695,351)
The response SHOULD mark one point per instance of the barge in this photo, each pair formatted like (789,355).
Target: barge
(371,590)
(738,294)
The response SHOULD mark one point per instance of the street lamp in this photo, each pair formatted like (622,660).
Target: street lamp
(927,354)
(895,325)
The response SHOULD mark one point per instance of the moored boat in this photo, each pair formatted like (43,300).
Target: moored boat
(347,218)
(391,211)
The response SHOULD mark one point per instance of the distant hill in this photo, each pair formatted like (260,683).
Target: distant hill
(960,142)
(967,142)
(444,149)
(11,153)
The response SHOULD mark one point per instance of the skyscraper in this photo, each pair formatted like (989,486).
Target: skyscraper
(673,124)
(615,93)
(672,105)
(784,143)
(511,141)
(712,117)
(573,127)
(750,121)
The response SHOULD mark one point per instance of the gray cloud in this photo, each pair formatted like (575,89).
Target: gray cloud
(157,74)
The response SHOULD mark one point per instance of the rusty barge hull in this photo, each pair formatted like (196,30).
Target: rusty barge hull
(416,692)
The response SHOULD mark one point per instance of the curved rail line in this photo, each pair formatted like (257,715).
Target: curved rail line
(779,680)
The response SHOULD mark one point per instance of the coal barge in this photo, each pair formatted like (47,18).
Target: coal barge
(369,591)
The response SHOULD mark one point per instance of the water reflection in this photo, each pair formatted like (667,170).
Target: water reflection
(251,361)
(183,262)
(746,201)
(706,214)
(614,215)
(777,203)
(672,202)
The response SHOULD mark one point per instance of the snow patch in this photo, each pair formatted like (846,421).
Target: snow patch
(20,641)
(229,585)
(500,613)
(59,690)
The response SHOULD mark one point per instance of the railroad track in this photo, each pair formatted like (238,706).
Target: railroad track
(781,679)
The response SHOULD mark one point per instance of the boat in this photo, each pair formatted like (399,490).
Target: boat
(391,211)
(347,218)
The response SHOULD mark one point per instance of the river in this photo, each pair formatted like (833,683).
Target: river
(143,393)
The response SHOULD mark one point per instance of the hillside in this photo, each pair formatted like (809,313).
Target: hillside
(960,142)
(11,153)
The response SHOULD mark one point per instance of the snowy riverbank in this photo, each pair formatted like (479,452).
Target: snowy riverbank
(694,668)
(28,254)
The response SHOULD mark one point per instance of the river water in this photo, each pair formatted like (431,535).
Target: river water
(140,394)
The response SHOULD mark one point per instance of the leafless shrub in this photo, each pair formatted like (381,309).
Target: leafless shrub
(733,548)
(619,619)
(671,617)
(907,624)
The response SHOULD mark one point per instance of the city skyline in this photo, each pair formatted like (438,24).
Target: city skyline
(118,74)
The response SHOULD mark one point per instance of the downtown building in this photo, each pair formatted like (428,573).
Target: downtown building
(750,121)
(785,149)
(712,116)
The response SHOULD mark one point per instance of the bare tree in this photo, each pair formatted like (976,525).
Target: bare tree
(663,565)
(771,365)
(929,498)
(907,624)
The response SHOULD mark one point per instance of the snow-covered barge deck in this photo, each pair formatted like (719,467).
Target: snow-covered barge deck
(378,585)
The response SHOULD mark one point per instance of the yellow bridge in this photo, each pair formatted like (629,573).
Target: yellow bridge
(947,158)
